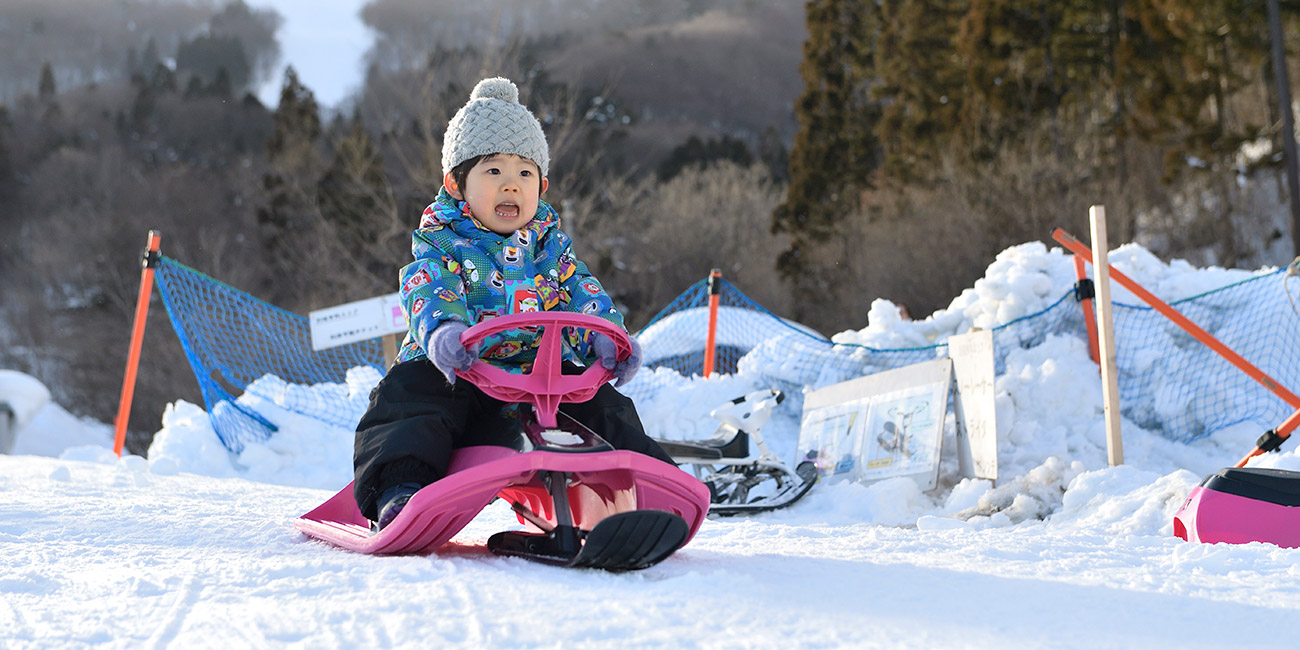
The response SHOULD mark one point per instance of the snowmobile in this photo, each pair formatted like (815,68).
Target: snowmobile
(583,503)
(740,481)
(1238,505)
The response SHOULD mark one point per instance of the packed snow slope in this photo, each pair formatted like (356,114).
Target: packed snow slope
(194,546)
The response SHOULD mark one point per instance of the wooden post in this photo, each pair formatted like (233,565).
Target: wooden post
(151,256)
(711,337)
(1106,335)
(390,350)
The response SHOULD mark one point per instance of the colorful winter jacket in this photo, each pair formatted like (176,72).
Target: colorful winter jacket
(463,271)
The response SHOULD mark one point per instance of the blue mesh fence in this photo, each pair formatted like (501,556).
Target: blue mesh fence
(782,354)
(1169,382)
(233,340)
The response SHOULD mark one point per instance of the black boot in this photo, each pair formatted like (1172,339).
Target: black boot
(391,502)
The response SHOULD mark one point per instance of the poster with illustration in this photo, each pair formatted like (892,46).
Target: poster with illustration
(904,432)
(830,439)
(879,426)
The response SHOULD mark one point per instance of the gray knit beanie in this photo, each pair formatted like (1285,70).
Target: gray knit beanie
(493,121)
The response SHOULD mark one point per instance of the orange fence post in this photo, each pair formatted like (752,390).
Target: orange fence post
(711,338)
(151,256)
(1085,302)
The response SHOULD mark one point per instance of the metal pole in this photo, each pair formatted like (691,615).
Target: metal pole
(1283,84)
(711,336)
(150,260)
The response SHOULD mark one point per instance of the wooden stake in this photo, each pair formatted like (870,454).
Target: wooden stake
(1106,335)
(390,350)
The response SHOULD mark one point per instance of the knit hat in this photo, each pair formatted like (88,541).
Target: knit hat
(493,121)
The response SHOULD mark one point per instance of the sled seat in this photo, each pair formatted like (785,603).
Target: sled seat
(1272,485)
(735,444)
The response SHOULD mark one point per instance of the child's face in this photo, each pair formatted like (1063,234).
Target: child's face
(502,192)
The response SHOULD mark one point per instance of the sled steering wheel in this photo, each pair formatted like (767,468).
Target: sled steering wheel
(544,387)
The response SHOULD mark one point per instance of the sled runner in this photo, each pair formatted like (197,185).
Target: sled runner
(1242,505)
(739,481)
(588,504)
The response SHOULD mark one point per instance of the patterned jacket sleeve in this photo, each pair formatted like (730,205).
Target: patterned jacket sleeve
(432,291)
(579,290)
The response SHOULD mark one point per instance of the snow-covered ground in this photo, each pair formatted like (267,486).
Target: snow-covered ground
(194,547)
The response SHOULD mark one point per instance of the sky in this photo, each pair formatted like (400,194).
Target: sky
(193,546)
(325,42)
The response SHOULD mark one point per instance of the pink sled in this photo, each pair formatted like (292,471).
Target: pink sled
(1243,505)
(600,482)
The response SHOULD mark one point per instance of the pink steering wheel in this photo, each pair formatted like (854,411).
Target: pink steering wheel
(543,386)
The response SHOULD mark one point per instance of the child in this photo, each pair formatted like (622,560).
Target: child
(487,246)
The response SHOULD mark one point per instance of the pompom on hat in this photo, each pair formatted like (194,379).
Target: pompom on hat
(493,121)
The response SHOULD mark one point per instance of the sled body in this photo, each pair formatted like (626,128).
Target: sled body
(1243,505)
(587,503)
(602,484)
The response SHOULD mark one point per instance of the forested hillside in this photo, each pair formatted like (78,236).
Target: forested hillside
(823,154)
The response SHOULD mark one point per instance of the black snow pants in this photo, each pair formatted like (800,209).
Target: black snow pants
(415,420)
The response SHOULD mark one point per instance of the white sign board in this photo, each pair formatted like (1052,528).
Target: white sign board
(975,405)
(357,321)
(879,426)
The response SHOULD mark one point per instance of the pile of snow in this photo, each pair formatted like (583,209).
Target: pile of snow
(194,544)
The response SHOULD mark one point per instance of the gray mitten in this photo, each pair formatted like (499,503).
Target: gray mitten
(446,352)
(607,352)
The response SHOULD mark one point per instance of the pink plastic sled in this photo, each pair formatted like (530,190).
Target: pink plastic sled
(587,503)
(1242,505)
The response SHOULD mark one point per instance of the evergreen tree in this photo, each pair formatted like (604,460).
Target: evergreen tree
(835,150)
(221,85)
(6,167)
(1012,68)
(47,89)
(294,166)
(296,120)
(698,153)
(355,188)
(1177,68)
(921,83)
(206,55)
(150,59)
(163,80)
(254,29)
